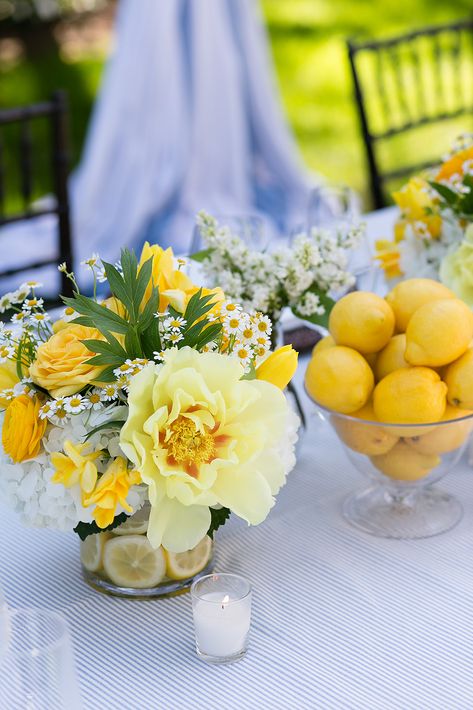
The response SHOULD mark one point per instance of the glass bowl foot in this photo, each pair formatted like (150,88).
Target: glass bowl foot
(402,514)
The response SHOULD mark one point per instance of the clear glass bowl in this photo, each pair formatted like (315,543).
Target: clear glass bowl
(124,563)
(402,462)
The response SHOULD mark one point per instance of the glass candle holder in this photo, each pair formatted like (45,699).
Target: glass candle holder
(221,605)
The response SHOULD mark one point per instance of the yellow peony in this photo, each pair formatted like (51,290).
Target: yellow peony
(61,364)
(111,491)
(175,288)
(22,428)
(456,269)
(201,436)
(279,367)
(8,379)
(75,467)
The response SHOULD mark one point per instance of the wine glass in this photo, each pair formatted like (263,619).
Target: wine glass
(38,670)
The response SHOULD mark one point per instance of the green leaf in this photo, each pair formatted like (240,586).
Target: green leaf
(210,333)
(141,284)
(86,529)
(106,348)
(218,518)
(117,285)
(107,374)
(107,359)
(133,344)
(147,316)
(251,374)
(202,255)
(448,195)
(151,341)
(99,316)
(113,424)
(129,264)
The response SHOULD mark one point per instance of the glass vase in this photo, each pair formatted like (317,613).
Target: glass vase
(123,562)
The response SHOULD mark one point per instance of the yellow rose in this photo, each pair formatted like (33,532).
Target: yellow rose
(201,436)
(8,379)
(175,288)
(279,367)
(61,364)
(22,428)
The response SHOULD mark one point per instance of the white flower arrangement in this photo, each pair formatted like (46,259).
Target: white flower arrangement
(300,276)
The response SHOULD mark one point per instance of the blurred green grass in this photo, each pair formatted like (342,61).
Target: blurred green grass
(308,44)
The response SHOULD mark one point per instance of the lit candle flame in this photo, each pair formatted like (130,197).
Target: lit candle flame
(225,600)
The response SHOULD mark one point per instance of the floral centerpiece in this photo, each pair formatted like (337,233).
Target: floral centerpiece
(433,237)
(141,422)
(301,276)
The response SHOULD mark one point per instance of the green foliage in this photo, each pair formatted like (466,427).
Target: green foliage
(460,204)
(219,517)
(86,529)
(325,300)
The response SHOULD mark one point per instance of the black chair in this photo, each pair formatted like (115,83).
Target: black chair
(408,82)
(55,114)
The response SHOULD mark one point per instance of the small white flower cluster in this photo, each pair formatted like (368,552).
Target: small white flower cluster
(269,281)
(170,328)
(28,485)
(95,263)
(123,373)
(245,336)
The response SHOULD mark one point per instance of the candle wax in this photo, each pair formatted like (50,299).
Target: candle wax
(221,628)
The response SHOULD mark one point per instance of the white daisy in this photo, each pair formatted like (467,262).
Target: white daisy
(39,317)
(109,392)
(18,317)
(175,323)
(7,394)
(93,400)
(47,410)
(174,337)
(158,355)
(30,285)
(74,404)
(92,261)
(5,302)
(6,352)
(33,303)
(232,324)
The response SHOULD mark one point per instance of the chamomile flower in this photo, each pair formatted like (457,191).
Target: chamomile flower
(47,410)
(23,387)
(175,323)
(68,314)
(263,323)
(30,286)
(19,295)
(5,302)
(125,368)
(230,308)
(39,318)
(74,404)
(30,303)
(123,381)
(18,317)
(249,334)
(174,338)
(243,354)
(92,261)
(6,352)
(109,392)
(232,324)
(158,355)
(59,416)
(93,400)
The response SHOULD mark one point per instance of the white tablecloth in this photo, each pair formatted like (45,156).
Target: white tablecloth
(341,620)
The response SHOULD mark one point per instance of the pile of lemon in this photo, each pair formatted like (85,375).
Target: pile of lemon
(403,359)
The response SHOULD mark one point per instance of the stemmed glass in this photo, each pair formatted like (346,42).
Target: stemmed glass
(37,670)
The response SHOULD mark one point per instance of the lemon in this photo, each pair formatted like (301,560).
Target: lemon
(327,342)
(130,561)
(91,551)
(183,565)
(405,463)
(363,321)
(409,295)
(439,332)
(364,438)
(136,524)
(443,439)
(413,396)
(391,357)
(339,378)
(459,380)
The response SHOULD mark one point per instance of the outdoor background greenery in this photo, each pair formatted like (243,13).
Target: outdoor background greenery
(308,43)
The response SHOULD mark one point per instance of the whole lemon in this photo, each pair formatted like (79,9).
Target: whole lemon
(391,357)
(442,439)
(339,378)
(364,438)
(405,463)
(327,342)
(410,396)
(409,295)
(459,380)
(363,321)
(439,332)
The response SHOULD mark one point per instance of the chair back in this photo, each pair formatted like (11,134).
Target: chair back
(404,84)
(55,113)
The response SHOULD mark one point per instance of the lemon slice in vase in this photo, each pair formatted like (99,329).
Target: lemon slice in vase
(91,551)
(183,565)
(136,524)
(131,561)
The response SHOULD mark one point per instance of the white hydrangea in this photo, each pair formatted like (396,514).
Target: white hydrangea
(28,486)
(422,257)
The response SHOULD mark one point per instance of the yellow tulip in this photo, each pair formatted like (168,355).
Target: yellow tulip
(22,428)
(279,367)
